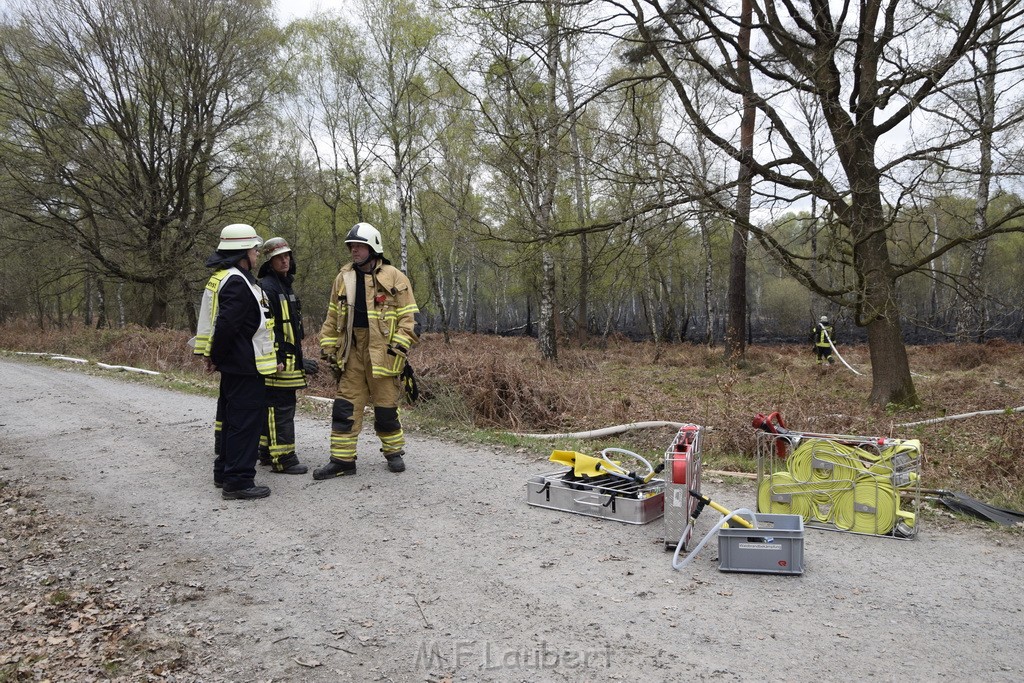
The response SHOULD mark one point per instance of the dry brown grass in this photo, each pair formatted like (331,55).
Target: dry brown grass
(506,386)
(493,383)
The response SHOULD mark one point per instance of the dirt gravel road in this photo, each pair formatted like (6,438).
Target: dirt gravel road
(444,572)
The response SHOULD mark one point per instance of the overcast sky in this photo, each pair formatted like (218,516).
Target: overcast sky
(289,10)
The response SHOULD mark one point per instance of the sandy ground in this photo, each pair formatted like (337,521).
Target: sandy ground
(445,573)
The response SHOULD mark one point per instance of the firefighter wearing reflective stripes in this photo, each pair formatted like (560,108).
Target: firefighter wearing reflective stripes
(235,336)
(369,330)
(277,443)
(821,334)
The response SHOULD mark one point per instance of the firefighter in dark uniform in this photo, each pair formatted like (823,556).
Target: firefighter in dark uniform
(821,336)
(235,336)
(277,443)
(370,327)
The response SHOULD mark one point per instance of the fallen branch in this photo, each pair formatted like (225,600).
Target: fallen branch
(426,622)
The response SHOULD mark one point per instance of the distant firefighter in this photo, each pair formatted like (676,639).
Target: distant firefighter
(821,336)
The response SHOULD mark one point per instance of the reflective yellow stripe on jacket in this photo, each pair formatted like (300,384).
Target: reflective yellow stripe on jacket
(390,310)
(262,339)
(291,377)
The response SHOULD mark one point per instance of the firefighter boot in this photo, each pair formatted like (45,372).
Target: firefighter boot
(250,493)
(297,468)
(288,464)
(395,462)
(335,468)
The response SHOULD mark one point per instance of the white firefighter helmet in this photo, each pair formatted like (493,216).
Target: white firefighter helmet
(364,233)
(275,246)
(238,236)
(824,318)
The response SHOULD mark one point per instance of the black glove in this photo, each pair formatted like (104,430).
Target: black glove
(332,361)
(409,382)
(310,366)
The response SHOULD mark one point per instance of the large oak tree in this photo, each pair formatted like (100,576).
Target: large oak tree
(869,67)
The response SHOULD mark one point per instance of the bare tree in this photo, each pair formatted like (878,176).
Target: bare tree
(396,88)
(985,116)
(327,62)
(120,118)
(864,65)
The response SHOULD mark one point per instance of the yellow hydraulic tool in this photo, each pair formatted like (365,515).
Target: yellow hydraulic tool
(704,500)
(584,465)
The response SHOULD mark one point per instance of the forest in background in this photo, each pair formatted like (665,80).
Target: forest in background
(711,173)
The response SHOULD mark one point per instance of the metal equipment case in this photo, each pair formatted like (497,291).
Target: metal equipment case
(605,497)
(855,484)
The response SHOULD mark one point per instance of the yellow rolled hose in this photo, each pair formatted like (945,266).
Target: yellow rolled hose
(869,508)
(817,460)
(778,494)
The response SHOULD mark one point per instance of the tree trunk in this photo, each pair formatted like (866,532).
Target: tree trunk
(473,323)
(158,309)
(735,337)
(546,337)
(121,315)
(101,304)
(582,201)
(192,306)
(970,322)
(88,300)
(891,383)
(709,289)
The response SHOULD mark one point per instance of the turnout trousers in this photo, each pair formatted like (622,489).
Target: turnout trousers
(357,389)
(277,442)
(240,415)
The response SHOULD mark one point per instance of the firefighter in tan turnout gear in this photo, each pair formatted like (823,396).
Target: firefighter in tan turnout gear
(370,327)
(277,443)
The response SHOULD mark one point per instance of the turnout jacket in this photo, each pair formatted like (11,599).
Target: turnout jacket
(819,332)
(288,331)
(234,330)
(391,310)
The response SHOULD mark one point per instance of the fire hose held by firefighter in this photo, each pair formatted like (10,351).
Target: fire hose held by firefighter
(825,346)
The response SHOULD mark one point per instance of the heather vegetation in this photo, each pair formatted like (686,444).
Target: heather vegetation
(484,388)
